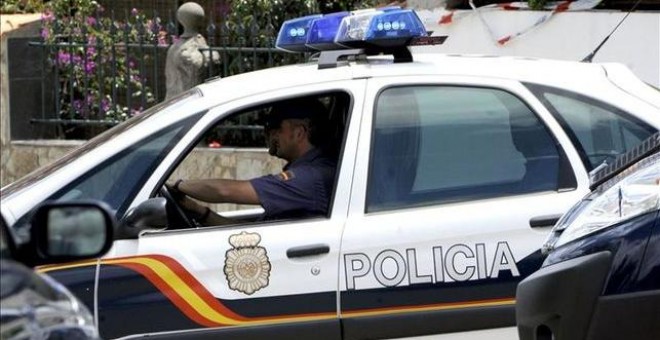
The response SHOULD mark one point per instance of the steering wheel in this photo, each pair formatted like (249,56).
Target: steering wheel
(174,206)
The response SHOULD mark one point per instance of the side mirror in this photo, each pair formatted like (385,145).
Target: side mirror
(70,231)
(148,215)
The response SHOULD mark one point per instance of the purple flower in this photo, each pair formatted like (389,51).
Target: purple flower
(154,25)
(90,67)
(77,105)
(134,12)
(105,105)
(45,33)
(47,16)
(131,64)
(91,21)
(63,57)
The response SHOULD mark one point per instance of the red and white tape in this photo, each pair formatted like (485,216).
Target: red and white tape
(551,9)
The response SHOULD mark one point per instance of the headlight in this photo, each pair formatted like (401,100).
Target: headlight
(633,192)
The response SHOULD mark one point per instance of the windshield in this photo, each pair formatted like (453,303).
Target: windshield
(119,178)
(95,142)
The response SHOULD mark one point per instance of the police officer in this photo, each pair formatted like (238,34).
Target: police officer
(302,189)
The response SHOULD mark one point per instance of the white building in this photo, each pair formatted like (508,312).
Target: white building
(569,35)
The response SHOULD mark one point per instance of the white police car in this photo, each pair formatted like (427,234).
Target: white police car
(450,168)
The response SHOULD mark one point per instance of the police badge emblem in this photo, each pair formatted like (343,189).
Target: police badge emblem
(246,265)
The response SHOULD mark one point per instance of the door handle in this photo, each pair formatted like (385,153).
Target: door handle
(308,250)
(544,221)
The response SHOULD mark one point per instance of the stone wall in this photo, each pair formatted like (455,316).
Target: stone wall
(22,157)
(12,26)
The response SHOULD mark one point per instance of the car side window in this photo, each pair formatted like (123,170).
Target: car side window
(234,147)
(600,131)
(435,144)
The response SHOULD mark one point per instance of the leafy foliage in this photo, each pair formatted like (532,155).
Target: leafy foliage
(536,4)
(21,6)
(96,67)
(329,6)
(255,23)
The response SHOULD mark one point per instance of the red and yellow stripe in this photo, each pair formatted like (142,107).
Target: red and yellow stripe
(198,304)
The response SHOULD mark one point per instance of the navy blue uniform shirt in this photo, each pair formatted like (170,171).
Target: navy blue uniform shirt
(303,188)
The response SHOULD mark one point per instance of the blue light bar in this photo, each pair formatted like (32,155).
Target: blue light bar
(322,31)
(371,29)
(294,33)
(390,28)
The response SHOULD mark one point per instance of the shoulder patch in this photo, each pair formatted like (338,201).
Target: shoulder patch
(286,175)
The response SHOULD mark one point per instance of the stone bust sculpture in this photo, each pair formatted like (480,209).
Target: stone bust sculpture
(185,62)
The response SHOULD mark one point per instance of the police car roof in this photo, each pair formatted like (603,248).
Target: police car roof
(565,74)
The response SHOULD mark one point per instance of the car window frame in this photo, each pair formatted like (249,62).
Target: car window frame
(566,180)
(267,98)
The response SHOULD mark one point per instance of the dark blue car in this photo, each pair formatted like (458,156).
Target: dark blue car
(601,277)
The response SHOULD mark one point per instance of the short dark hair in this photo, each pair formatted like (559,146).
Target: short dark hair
(296,108)
(309,109)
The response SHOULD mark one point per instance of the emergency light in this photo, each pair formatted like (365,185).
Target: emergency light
(323,31)
(373,28)
(294,33)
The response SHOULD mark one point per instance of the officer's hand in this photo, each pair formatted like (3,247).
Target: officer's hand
(189,204)
(173,188)
(195,209)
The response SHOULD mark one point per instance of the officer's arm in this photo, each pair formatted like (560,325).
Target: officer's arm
(203,214)
(220,191)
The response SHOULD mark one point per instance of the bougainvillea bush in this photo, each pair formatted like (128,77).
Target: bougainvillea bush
(97,61)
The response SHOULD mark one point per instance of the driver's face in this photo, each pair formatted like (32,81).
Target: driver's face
(281,140)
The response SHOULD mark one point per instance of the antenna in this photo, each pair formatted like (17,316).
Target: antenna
(591,55)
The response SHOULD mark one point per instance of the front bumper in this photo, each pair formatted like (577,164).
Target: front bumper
(557,301)
(563,302)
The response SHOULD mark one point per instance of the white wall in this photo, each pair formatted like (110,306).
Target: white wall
(567,35)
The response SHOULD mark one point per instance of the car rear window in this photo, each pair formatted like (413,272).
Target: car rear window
(599,131)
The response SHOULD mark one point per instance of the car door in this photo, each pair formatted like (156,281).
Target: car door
(275,279)
(456,184)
